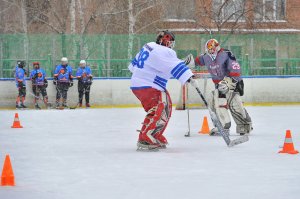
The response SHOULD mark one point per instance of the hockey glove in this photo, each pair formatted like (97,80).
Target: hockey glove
(90,80)
(71,83)
(35,76)
(189,61)
(55,80)
(45,83)
(226,85)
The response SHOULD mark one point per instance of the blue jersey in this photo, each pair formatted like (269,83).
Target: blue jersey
(63,73)
(84,73)
(20,76)
(38,76)
(224,65)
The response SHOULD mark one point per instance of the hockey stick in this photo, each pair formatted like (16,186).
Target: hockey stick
(188,134)
(50,104)
(80,99)
(219,126)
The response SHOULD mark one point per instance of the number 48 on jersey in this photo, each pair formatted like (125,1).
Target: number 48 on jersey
(140,61)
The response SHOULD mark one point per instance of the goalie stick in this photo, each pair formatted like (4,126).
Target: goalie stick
(219,126)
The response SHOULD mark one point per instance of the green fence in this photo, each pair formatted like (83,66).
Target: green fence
(109,55)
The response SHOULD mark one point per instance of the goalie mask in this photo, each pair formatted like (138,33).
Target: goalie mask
(166,38)
(212,48)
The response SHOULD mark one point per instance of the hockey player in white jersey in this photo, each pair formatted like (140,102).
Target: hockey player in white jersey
(151,68)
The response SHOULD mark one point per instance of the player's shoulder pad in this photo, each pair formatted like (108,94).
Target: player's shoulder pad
(230,54)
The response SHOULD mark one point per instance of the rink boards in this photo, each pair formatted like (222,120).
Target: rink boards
(115,92)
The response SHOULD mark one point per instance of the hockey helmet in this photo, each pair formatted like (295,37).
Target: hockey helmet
(64,61)
(166,38)
(21,64)
(36,65)
(82,63)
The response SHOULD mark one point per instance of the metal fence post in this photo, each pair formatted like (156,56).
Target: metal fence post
(277,56)
(1,57)
(246,64)
(49,61)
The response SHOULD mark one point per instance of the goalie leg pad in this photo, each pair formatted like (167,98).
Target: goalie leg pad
(157,106)
(239,113)
(164,120)
(218,104)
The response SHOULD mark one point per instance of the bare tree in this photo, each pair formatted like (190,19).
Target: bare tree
(234,15)
(136,16)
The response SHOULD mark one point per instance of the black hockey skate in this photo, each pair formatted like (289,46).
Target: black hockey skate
(37,107)
(18,106)
(23,106)
(59,107)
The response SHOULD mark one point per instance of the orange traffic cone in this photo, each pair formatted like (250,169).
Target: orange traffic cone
(7,177)
(288,146)
(205,127)
(16,123)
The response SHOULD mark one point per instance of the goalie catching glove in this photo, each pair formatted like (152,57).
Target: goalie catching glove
(189,61)
(227,84)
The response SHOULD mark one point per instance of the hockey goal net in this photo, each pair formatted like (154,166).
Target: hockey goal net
(188,97)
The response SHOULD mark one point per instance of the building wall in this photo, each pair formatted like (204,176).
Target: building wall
(203,20)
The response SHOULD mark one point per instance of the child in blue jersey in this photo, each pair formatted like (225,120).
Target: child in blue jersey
(39,84)
(20,79)
(63,79)
(84,76)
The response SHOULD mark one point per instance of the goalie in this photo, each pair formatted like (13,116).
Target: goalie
(151,68)
(225,72)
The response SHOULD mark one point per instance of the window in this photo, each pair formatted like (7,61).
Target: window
(228,10)
(178,10)
(269,10)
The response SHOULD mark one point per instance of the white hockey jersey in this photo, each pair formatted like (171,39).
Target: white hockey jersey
(154,65)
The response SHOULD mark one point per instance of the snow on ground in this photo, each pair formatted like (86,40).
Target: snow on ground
(91,154)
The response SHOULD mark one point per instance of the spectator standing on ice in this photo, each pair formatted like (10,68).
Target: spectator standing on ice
(151,68)
(85,77)
(63,80)
(39,84)
(229,87)
(20,79)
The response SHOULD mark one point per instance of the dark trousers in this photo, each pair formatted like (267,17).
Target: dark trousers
(62,91)
(84,89)
(39,89)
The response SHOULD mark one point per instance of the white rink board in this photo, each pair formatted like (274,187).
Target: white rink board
(117,92)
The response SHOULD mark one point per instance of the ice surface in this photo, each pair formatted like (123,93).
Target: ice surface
(81,153)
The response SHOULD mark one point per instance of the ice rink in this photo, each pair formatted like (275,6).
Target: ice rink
(75,154)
